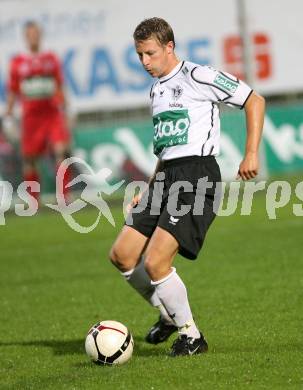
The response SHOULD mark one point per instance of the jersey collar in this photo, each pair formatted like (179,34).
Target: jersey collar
(172,74)
(28,53)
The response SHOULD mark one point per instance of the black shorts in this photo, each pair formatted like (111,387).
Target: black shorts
(180,202)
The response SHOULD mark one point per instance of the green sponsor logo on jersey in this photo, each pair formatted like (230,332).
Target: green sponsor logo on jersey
(171,128)
(225,83)
(38,87)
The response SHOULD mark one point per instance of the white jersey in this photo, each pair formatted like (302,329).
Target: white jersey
(185,109)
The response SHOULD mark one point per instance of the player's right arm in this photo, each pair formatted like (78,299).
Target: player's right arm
(10,103)
(152,178)
(136,199)
(9,125)
(13,87)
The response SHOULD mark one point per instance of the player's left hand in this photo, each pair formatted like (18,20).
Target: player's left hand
(249,167)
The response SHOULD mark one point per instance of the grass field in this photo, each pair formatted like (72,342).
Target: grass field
(245,291)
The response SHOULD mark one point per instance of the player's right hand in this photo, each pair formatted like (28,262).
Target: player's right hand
(136,199)
(10,128)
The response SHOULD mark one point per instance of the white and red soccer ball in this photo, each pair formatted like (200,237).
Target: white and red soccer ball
(109,342)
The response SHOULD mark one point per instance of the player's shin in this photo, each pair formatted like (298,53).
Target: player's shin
(173,294)
(66,178)
(32,175)
(141,282)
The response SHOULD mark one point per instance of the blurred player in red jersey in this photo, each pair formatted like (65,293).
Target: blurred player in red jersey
(35,78)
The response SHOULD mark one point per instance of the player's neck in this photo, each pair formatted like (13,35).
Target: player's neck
(171,66)
(34,50)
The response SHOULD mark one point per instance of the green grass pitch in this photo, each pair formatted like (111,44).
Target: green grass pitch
(245,291)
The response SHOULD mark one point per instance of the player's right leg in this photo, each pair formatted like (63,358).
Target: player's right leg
(32,146)
(30,173)
(127,254)
(127,249)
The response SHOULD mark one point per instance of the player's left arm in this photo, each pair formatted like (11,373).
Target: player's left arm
(58,74)
(61,97)
(254,110)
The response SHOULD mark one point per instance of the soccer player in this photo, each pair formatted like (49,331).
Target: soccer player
(184,102)
(35,77)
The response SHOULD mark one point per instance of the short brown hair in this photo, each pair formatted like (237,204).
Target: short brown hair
(31,23)
(154,28)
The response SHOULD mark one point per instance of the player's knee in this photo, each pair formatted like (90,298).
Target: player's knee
(113,256)
(119,258)
(152,266)
(60,157)
(156,265)
(63,156)
(61,152)
(29,164)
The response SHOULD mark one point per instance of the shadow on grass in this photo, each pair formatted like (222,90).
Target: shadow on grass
(59,347)
(70,347)
(265,348)
(143,349)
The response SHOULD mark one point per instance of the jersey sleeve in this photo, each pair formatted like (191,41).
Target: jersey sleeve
(221,87)
(13,83)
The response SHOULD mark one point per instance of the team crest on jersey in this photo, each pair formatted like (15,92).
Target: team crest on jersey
(177,92)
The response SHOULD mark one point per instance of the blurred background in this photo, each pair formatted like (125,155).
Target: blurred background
(107,90)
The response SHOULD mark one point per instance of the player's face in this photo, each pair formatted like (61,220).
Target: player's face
(33,37)
(154,56)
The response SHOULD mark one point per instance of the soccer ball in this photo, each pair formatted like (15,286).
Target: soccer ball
(109,342)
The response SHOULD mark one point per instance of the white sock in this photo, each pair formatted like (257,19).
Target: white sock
(173,295)
(164,315)
(139,279)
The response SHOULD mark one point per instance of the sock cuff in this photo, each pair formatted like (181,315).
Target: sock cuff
(164,279)
(127,274)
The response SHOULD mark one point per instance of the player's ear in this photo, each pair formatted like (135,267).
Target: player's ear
(170,47)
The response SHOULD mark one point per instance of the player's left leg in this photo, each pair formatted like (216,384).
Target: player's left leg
(59,139)
(160,254)
(32,147)
(61,152)
(30,174)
